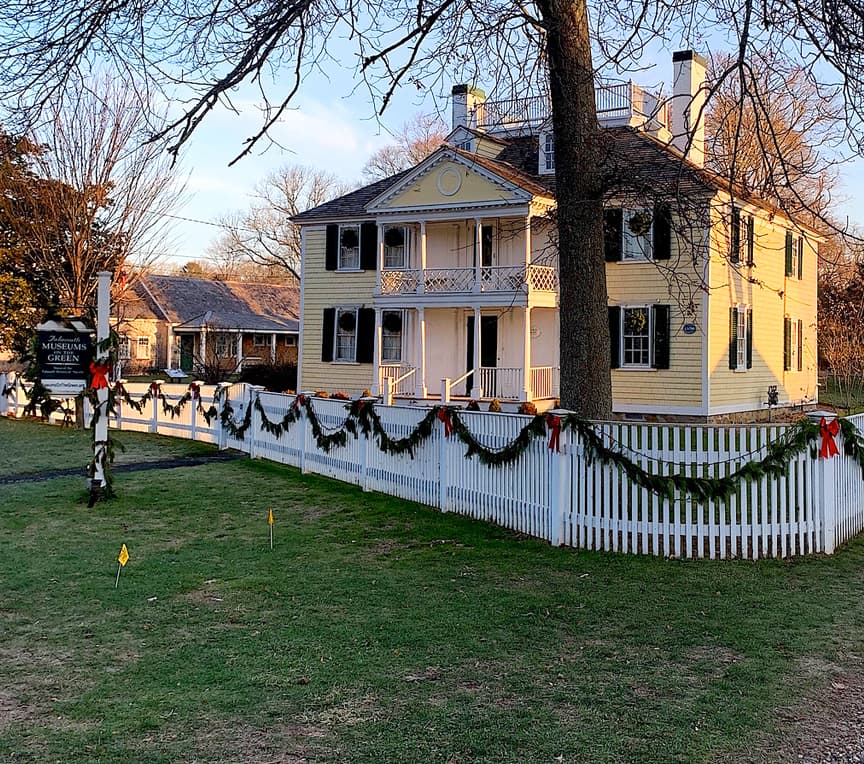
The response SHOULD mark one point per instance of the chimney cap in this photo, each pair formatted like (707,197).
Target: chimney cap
(466,89)
(688,55)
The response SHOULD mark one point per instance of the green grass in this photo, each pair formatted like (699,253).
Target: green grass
(377,630)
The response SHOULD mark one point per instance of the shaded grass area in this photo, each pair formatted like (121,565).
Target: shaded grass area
(30,446)
(378,630)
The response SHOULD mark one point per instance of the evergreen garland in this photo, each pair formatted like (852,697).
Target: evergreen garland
(536,428)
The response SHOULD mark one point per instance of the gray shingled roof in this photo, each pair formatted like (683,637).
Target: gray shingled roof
(351,204)
(194,302)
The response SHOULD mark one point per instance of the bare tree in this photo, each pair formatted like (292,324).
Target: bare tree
(103,192)
(416,140)
(263,234)
(542,46)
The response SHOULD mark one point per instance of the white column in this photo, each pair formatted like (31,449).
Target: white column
(169,351)
(420,374)
(528,249)
(527,392)
(239,353)
(476,390)
(478,252)
(422,256)
(202,346)
(376,356)
(272,348)
(100,447)
(380,258)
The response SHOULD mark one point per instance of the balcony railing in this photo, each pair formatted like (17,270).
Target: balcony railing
(503,278)
(613,102)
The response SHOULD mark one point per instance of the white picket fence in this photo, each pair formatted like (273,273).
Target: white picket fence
(563,497)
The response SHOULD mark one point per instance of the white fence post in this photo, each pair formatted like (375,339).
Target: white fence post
(156,388)
(118,404)
(255,420)
(193,417)
(445,391)
(443,487)
(387,391)
(302,423)
(825,489)
(17,392)
(365,449)
(559,486)
(220,393)
(4,401)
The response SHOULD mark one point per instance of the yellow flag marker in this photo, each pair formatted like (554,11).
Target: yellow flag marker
(122,558)
(270,523)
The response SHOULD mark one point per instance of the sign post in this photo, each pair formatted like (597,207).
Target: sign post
(100,440)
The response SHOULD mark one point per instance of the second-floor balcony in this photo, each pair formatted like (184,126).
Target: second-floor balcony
(483,280)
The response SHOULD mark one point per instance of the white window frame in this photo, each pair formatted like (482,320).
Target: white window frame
(793,344)
(222,344)
(636,249)
(624,364)
(142,355)
(549,152)
(741,338)
(391,262)
(352,264)
(795,256)
(392,358)
(351,355)
(264,340)
(124,348)
(290,340)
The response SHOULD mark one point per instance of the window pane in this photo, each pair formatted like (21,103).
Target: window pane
(346,334)
(349,247)
(742,339)
(637,234)
(636,337)
(395,244)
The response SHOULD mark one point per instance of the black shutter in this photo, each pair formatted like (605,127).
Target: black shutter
(788,253)
(365,335)
(800,257)
(613,230)
(787,344)
(733,338)
(327,331)
(662,232)
(735,243)
(800,344)
(750,337)
(614,336)
(662,336)
(368,246)
(331,258)
(750,240)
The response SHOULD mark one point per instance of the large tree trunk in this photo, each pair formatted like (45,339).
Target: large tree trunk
(586,385)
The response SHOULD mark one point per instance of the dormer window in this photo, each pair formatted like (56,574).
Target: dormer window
(548,158)
(465,145)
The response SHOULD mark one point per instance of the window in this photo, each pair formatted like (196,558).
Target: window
(395,247)
(637,241)
(794,255)
(640,336)
(549,152)
(124,350)
(349,248)
(487,241)
(290,340)
(261,340)
(222,345)
(741,238)
(465,145)
(346,335)
(740,338)
(142,349)
(391,336)
(636,336)
(793,344)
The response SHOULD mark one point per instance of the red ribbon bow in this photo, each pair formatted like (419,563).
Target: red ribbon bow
(299,401)
(444,416)
(100,373)
(194,391)
(154,388)
(118,387)
(553,422)
(828,430)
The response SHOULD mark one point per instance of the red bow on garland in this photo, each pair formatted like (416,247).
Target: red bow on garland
(444,416)
(100,373)
(154,388)
(298,402)
(553,422)
(118,387)
(194,391)
(828,430)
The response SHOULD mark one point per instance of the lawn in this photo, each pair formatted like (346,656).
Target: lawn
(378,630)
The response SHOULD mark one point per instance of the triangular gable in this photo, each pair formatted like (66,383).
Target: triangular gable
(447,179)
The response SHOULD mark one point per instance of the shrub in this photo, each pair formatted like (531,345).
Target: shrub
(271,376)
(527,407)
(472,406)
(340,396)
(495,406)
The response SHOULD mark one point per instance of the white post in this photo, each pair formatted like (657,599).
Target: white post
(387,391)
(103,310)
(193,418)
(302,423)
(4,401)
(420,383)
(476,389)
(366,445)
(445,390)
(478,253)
(380,256)
(202,345)
(239,353)
(220,392)
(376,354)
(154,418)
(422,286)
(826,493)
(169,350)
(272,348)
(527,392)
(559,483)
(443,493)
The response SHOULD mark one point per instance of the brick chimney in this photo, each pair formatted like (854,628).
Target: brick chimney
(467,106)
(687,105)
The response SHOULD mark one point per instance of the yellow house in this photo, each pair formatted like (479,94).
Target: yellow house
(442,281)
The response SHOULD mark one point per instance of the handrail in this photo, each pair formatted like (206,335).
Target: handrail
(454,382)
(407,374)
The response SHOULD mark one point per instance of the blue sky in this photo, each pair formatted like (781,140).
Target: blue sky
(334,130)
